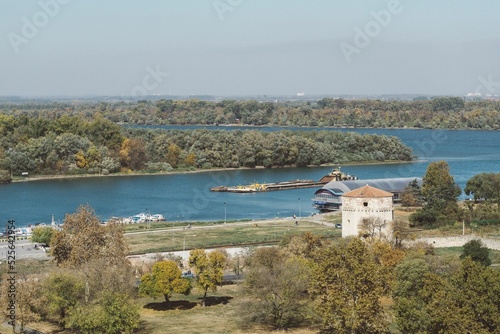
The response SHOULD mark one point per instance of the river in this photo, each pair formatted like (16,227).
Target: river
(186,197)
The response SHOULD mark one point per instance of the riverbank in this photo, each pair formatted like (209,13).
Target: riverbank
(18,179)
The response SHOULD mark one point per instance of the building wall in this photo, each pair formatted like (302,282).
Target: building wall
(354,210)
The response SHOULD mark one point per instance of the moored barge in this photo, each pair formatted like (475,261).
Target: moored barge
(334,175)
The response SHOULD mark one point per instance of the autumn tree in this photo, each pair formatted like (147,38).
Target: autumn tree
(276,287)
(372,228)
(27,304)
(304,245)
(84,239)
(164,279)
(133,153)
(101,286)
(173,155)
(209,269)
(346,288)
(400,232)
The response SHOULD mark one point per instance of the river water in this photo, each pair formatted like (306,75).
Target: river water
(186,197)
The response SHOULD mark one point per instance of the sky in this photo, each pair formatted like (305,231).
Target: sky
(249,47)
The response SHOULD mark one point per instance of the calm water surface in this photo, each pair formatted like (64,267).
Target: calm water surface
(187,196)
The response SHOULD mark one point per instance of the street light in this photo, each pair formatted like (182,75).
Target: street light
(275,222)
(184,243)
(299,209)
(225,213)
(173,237)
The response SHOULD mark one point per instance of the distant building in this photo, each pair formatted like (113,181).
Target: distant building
(329,198)
(370,204)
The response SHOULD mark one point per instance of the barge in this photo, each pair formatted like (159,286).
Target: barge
(334,175)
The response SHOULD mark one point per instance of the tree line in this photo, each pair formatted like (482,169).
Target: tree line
(438,112)
(68,145)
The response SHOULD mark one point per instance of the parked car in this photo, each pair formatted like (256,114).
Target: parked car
(187,275)
(338,225)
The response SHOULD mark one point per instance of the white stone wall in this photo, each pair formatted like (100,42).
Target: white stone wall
(459,241)
(354,210)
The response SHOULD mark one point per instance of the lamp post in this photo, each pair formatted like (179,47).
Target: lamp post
(275,222)
(299,209)
(184,243)
(225,213)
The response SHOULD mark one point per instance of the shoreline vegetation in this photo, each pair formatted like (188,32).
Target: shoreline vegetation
(28,178)
(62,146)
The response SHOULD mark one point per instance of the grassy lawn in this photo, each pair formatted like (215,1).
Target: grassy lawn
(224,235)
(457,251)
(185,315)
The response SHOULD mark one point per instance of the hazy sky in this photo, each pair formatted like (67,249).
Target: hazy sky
(249,47)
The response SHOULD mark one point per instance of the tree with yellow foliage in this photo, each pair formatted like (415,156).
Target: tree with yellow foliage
(209,269)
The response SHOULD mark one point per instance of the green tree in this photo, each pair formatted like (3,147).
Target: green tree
(477,252)
(42,234)
(277,289)
(412,194)
(485,186)
(439,193)
(438,186)
(209,269)
(346,288)
(164,279)
(113,313)
(409,311)
(63,290)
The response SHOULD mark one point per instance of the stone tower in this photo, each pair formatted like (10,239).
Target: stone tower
(367,203)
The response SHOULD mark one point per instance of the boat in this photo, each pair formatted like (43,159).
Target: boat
(139,218)
(247,189)
(335,175)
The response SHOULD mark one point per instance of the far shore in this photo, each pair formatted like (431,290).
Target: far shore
(185,171)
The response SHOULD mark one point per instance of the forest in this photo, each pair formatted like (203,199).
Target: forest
(64,144)
(440,112)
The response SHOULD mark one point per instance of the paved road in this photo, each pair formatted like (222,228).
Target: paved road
(25,249)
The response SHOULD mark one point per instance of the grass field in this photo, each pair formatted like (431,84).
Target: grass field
(186,315)
(261,232)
